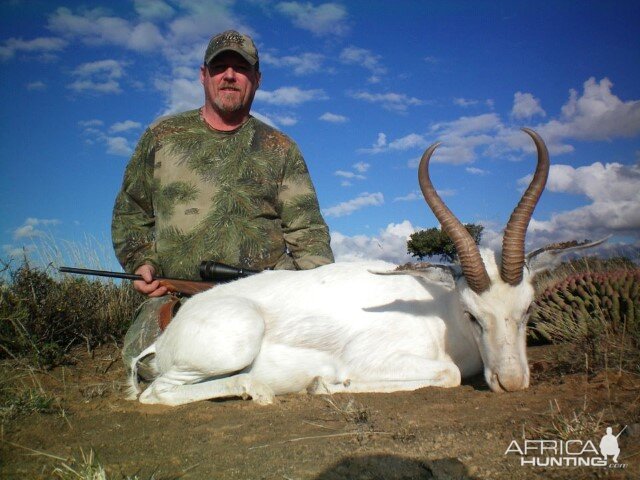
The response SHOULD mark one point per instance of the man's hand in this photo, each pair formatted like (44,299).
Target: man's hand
(148,286)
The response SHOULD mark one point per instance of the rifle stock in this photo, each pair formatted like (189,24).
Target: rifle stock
(185,287)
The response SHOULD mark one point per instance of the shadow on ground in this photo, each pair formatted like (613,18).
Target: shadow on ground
(392,467)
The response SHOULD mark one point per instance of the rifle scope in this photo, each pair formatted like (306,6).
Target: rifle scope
(212,271)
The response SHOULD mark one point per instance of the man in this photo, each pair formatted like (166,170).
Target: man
(215,184)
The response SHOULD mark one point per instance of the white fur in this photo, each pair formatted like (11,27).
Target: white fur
(341,328)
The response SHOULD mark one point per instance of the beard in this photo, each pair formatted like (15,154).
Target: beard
(229,102)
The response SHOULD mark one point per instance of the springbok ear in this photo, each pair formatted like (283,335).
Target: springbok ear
(550,256)
(442,275)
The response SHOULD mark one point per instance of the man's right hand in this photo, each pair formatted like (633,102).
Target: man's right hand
(148,286)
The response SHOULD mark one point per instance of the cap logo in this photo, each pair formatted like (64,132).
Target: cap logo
(228,40)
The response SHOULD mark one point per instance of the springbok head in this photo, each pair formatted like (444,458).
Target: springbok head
(496,294)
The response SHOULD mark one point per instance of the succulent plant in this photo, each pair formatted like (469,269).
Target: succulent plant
(598,311)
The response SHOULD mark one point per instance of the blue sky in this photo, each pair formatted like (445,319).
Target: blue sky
(363,87)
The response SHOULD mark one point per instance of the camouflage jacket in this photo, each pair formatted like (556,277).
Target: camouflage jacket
(243,198)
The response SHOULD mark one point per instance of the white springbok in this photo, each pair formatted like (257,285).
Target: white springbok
(343,328)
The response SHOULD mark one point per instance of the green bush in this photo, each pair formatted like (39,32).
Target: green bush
(43,318)
(435,242)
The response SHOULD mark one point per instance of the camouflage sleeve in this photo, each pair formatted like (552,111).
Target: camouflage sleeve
(305,231)
(133,222)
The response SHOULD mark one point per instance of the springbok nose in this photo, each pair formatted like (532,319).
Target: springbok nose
(512,381)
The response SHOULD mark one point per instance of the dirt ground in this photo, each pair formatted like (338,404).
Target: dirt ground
(435,433)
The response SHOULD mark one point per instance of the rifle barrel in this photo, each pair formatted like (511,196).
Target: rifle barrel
(209,272)
(100,273)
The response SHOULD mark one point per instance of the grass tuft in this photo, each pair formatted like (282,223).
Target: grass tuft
(574,425)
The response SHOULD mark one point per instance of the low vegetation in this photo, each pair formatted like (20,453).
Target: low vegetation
(594,305)
(43,317)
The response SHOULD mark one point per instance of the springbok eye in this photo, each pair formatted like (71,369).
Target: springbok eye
(472,318)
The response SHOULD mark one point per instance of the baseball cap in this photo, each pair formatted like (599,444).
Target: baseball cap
(234,42)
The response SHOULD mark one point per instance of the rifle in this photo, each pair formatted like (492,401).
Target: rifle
(210,272)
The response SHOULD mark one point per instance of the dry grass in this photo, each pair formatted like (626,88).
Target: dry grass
(576,424)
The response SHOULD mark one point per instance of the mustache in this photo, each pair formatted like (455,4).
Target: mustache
(228,86)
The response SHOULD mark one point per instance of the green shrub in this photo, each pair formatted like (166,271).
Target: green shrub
(43,318)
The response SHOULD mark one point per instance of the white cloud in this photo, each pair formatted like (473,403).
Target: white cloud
(12,251)
(41,45)
(116,145)
(379,146)
(598,182)
(109,68)
(302,64)
(612,190)
(389,244)
(26,231)
(349,175)
(80,86)
(145,37)
(598,114)
(350,206)
(124,126)
(361,167)
(37,85)
(464,102)
(365,58)
(181,94)
(407,142)
(289,96)
(460,138)
(119,146)
(476,171)
(264,118)
(94,27)
(467,125)
(526,106)
(29,228)
(398,102)
(333,118)
(417,195)
(202,18)
(325,19)
(153,9)
(101,76)
(286,120)
(595,115)
(410,197)
(90,123)
(178,37)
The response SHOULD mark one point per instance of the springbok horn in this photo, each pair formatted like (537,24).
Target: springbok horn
(516,229)
(468,253)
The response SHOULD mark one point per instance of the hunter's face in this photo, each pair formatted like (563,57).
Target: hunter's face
(230,83)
